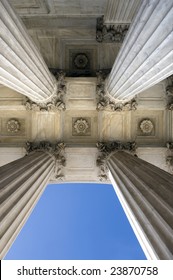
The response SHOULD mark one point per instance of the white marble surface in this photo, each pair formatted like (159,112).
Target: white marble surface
(146,55)
(22,66)
(121,11)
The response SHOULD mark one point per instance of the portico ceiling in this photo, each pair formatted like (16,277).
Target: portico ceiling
(63,28)
(65,33)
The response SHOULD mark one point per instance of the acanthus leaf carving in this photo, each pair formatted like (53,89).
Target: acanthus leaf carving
(169,158)
(55,149)
(105,149)
(57,101)
(110,33)
(169,92)
(104,101)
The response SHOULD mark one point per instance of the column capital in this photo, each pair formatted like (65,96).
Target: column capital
(106,102)
(108,33)
(56,150)
(105,151)
(55,102)
(169,158)
(169,93)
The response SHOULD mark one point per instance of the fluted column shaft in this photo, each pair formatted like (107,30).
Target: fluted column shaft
(148,193)
(22,67)
(21,185)
(120,11)
(146,56)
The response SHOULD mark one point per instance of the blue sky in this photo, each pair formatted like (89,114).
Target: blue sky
(77,221)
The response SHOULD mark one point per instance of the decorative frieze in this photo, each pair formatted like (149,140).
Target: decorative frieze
(57,101)
(110,33)
(104,101)
(105,149)
(57,150)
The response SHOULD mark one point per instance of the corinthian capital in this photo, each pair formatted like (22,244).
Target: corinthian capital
(56,102)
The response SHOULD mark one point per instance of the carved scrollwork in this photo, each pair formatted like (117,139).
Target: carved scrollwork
(57,101)
(105,103)
(110,33)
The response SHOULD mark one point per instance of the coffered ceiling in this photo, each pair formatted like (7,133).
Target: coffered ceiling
(61,29)
(65,33)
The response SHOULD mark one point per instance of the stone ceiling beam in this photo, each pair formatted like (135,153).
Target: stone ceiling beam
(22,66)
(146,56)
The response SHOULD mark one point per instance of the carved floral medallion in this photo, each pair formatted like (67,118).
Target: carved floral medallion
(81,126)
(13,126)
(81,61)
(146,126)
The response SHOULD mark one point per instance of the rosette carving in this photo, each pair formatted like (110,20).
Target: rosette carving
(81,126)
(13,126)
(146,126)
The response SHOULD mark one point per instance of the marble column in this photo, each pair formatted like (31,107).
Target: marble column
(146,56)
(120,11)
(146,193)
(22,67)
(21,184)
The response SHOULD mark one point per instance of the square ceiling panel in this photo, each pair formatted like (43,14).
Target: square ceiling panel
(81,61)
